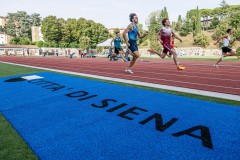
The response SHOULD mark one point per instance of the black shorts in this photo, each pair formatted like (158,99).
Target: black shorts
(226,49)
(133,45)
(116,50)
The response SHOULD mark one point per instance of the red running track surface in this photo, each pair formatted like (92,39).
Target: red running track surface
(197,75)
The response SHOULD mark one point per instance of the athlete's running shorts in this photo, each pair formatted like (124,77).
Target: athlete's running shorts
(133,45)
(116,50)
(167,47)
(226,49)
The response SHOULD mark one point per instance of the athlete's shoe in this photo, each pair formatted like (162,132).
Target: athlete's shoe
(180,67)
(222,58)
(128,71)
(215,65)
(150,50)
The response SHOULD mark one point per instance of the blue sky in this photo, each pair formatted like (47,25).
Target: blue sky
(111,13)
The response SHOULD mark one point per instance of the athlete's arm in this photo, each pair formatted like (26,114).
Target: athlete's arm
(129,28)
(111,42)
(142,35)
(233,41)
(121,39)
(159,36)
(225,36)
(174,35)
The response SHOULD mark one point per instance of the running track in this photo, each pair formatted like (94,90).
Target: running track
(197,75)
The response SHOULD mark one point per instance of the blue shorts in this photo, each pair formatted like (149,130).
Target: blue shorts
(133,45)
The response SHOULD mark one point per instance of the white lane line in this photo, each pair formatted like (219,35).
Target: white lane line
(152,85)
(154,73)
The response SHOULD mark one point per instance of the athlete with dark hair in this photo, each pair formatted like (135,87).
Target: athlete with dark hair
(225,47)
(117,46)
(165,35)
(131,42)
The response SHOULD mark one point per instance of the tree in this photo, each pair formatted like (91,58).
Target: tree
(10,25)
(20,23)
(154,23)
(99,33)
(20,40)
(223,9)
(179,18)
(164,13)
(51,29)
(1,29)
(236,34)
(142,31)
(235,20)
(70,31)
(95,31)
(198,28)
(221,29)
(201,40)
(178,24)
(224,4)
(185,28)
(36,19)
(238,51)
(214,23)
(153,29)
(40,44)
(84,42)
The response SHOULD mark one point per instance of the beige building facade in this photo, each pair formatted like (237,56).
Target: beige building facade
(37,34)
(111,30)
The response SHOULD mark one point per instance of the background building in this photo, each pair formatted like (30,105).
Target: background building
(37,34)
(4,38)
(111,30)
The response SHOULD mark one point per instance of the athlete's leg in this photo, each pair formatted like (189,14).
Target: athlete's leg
(161,55)
(220,59)
(122,55)
(112,56)
(173,52)
(135,55)
(231,53)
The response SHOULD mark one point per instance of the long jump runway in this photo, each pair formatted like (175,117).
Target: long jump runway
(64,117)
(197,75)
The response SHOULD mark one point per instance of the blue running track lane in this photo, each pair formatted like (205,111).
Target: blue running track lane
(64,117)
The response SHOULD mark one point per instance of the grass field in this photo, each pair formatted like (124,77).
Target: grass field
(11,144)
(12,147)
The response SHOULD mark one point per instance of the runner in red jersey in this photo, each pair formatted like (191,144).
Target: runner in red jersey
(165,35)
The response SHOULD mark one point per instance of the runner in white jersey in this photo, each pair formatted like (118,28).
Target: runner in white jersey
(225,47)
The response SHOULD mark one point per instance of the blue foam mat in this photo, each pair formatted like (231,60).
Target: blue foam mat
(57,125)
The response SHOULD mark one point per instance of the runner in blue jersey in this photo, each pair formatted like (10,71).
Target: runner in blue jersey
(133,32)
(117,47)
